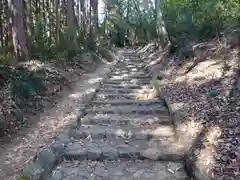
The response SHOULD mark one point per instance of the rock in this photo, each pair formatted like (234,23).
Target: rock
(2,124)
(56,175)
(107,54)
(64,139)
(96,132)
(141,136)
(224,158)
(33,171)
(58,147)
(94,153)
(47,159)
(151,153)
(212,94)
(77,134)
(126,151)
(76,151)
(109,153)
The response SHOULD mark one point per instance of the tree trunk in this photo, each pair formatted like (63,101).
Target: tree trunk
(160,25)
(83,18)
(18,32)
(1,24)
(93,24)
(70,17)
(57,28)
(29,25)
(71,29)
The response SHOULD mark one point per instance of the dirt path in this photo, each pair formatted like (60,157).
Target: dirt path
(15,155)
(122,135)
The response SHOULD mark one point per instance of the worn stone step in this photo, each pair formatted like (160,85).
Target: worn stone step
(129,102)
(107,96)
(130,78)
(129,69)
(136,120)
(100,147)
(128,110)
(129,81)
(127,106)
(116,170)
(130,63)
(124,131)
(117,85)
(129,73)
(122,90)
(112,96)
(139,66)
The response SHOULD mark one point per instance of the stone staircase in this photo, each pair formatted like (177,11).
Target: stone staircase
(122,137)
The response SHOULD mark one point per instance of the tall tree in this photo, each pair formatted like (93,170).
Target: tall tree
(93,23)
(18,31)
(71,29)
(57,15)
(160,24)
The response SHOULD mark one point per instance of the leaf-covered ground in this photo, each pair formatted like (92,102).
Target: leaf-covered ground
(205,89)
(27,88)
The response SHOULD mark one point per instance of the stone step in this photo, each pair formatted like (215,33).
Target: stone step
(126,106)
(133,60)
(122,91)
(114,170)
(130,78)
(95,145)
(130,75)
(123,131)
(117,85)
(126,96)
(129,81)
(129,102)
(128,65)
(139,73)
(136,120)
(128,110)
(130,69)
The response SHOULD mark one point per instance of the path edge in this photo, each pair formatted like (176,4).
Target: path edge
(177,117)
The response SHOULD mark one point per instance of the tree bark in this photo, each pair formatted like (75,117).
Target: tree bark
(1,24)
(18,32)
(70,17)
(57,28)
(93,24)
(83,18)
(160,25)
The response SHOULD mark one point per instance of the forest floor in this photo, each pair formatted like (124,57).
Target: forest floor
(203,92)
(37,103)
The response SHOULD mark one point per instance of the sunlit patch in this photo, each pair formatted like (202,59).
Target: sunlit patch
(162,131)
(33,65)
(81,94)
(94,80)
(180,79)
(176,106)
(213,134)
(188,132)
(206,159)
(151,94)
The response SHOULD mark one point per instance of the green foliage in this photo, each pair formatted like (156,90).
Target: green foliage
(200,19)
